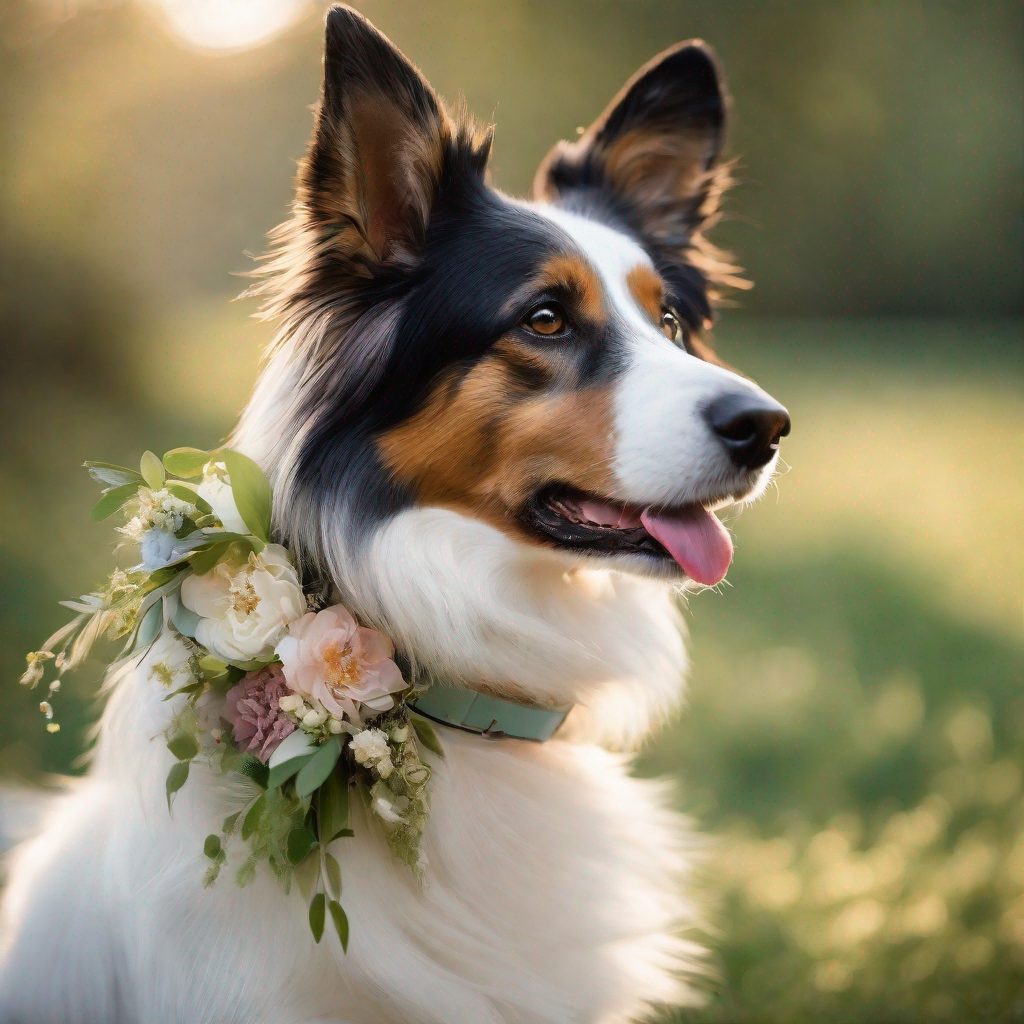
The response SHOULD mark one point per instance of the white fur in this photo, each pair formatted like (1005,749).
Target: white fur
(555,879)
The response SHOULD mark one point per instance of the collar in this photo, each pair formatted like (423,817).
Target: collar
(480,713)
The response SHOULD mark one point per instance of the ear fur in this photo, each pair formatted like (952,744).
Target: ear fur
(379,146)
(650,158)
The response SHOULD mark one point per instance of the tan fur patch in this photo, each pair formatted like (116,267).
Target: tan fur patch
(485,443)
(648,289)
(576,276)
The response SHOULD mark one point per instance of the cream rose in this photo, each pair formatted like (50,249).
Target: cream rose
(245,609)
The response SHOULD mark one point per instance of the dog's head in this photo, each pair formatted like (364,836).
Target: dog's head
(539,367)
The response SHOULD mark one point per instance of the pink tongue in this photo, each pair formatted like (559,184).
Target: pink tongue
(696,540)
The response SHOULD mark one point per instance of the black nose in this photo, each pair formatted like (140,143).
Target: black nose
(749,426)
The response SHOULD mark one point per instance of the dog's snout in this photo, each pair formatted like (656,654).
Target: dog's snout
(749,426)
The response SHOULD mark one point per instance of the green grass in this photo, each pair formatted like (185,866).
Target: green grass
(852,741)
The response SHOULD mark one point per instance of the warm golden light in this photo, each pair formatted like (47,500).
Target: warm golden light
(225,26)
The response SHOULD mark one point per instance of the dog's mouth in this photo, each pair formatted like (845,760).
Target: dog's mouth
(690,536)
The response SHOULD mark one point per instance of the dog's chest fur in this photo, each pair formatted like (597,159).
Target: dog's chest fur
(552,893)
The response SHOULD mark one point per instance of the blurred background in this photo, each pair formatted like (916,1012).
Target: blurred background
(853,741)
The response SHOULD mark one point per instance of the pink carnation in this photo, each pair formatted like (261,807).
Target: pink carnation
(252,707)
(328,657)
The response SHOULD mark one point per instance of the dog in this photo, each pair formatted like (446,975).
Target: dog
(496,427)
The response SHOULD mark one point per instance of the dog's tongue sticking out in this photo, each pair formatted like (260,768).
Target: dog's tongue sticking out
(695,539)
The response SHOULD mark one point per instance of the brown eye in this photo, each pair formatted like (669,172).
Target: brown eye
(545,320)
(670,325)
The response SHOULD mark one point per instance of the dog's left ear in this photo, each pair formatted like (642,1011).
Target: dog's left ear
(649,159)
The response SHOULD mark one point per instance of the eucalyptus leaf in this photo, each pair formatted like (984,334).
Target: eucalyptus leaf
(252,817)
(251,492)
(295,744)
(340,921)
(426,734)
(184,619)
(317,907)
(301,843)
(176,778)
(183,746)
(113,500)
(332,869)
(188,494)
(149,626)
(152,470)
(321,764)
(281,773)
(212,847)
(113,476)
(332,805)
(186,462)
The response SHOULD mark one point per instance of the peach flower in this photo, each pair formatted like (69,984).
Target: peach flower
(329,658)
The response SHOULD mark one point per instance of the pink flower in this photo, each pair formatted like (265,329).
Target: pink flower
(329,658)
(252,708)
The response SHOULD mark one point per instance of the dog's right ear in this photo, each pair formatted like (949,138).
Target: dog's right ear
(378,150)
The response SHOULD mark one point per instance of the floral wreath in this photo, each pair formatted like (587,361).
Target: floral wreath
(291,695)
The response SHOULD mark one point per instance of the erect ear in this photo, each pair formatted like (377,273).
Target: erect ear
(649,158)
(378,151)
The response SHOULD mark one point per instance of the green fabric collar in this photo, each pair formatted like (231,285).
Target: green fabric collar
(484,715)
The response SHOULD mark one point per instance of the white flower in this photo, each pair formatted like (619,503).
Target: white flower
(390,808)
(245,609)
(314,719)
(385,766)
(334,727)
(216,491)
(370,746)
(292,702)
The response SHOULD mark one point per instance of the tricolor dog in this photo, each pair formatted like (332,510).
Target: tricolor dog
(496,429)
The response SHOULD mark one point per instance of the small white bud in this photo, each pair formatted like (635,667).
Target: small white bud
(334,726)
(400,733)
(314,719)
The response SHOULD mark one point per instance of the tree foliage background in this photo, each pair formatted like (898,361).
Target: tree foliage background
(853,741)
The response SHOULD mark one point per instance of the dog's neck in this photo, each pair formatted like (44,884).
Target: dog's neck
(471,606)
(466,604)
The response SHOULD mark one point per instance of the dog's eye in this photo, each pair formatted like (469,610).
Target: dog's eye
(670,326)
(545,320)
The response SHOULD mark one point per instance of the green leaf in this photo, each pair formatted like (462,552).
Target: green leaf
(332,805)
(321,764)
(185,462)
(251,492)
(301,843)
(317,907)
(176,778)
(282,772)
(152,470)
(340,920)
(206,558)
(426,734)
(187,494)
(252,817)
(183,746)
(229,823)
(113,476)
(149,627)
(333,871)
(113,500)
(252,768)
(212,847)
